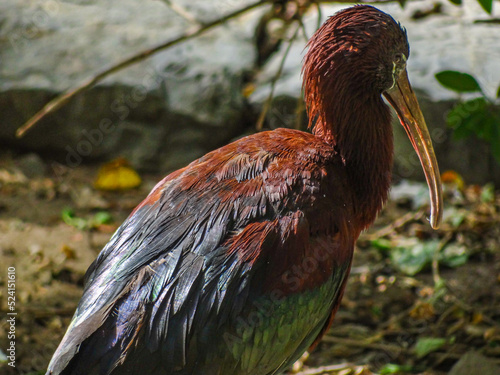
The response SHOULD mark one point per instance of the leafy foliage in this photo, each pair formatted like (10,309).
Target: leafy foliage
(412,255)
(426,345)
(457,81)
(487,5)
(478,117)
(393,368)
(100,218)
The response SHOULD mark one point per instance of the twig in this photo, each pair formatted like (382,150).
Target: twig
(363,344)
(410,216)
(320,15)
(435,259)
(303,28)
(395,319)
(61,100)
(467,307)
(324,369)
(267,104)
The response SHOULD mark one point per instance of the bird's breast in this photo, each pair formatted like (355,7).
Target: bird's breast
(278,323)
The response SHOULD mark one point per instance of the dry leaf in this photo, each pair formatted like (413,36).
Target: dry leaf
(117,175)
(422,311)
(68,252)
(453,179)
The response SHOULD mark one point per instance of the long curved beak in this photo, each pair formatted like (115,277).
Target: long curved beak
(403,100)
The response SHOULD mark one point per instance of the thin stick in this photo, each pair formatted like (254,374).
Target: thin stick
(403,220)
(324,369)
(436,277)
(267,104)
(320,15)
(61,100)
(363,344)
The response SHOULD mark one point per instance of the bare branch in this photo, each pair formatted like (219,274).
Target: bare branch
(195,31)
(267,104)
(325,369)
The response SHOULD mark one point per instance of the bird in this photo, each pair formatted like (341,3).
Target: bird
(236,264)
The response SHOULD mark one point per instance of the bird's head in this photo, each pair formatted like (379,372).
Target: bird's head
(358,55)
(362,46)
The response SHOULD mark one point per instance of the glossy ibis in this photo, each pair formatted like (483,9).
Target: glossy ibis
(236,264)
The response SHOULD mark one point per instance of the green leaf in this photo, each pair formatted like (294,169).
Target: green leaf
(486,5)
(392,368)
(467,118)
(456,2)
(69,218)
(457,81)
(486,126)
(488,193)
(376,311)
(458,219)
(477,117)
(101,217)
(413,256)
(462,132)
(498,92)
(381,244)
(426,345)
(454,216)
(454,255)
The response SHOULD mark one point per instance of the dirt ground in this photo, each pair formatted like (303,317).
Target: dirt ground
(434,304)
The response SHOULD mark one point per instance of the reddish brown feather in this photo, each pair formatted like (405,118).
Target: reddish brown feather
(157,191)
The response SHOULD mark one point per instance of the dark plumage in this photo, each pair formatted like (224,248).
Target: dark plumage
(236,264)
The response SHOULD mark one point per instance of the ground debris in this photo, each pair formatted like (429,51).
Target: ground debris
(417,300)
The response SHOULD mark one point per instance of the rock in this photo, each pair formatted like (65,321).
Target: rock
(474,363)
(186,98)
(31,165)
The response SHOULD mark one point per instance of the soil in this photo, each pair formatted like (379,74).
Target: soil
(383,325)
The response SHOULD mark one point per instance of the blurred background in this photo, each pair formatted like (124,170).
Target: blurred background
(153,85)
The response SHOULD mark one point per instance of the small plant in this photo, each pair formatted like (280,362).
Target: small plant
(479,116)
(487,5)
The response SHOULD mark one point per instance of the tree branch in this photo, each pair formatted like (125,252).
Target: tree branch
(62,99)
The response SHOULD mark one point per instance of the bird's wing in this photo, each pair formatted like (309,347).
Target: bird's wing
(185,254)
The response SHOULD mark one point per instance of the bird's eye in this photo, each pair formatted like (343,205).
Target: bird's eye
(399,59)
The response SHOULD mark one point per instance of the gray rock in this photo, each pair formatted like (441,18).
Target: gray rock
(475,363)
(186,98)
(31,165)
(185,101)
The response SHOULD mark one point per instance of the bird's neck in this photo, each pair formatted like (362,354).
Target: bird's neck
(361,133)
